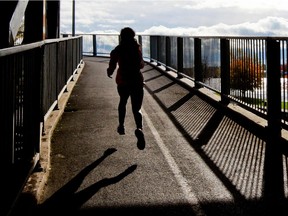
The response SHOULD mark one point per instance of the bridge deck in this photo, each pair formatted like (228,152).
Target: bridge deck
(198,159)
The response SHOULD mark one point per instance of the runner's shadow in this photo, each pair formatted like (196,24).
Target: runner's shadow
(66,199)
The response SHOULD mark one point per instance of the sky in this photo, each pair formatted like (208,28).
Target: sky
(178,17)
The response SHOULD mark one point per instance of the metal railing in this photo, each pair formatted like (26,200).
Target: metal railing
(250,71)
(32,78)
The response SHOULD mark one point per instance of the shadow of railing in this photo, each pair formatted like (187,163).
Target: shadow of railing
(234,147)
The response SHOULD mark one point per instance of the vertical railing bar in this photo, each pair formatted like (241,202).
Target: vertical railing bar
(252,71)
(259,74)
(261,95)
(232,61)
(262,76)
(179,56)
(168,53)
(94,45)
(246,69)
(243,67)
(282,75)
(240,66)
(225,70)
(158,50)
(256,73)
(15,119)
(162,49)
(254,78)
(198,62)
(20,107)
(263,64)
(151,50)
(57,77)
(140,40)
(284,79)
(286,70)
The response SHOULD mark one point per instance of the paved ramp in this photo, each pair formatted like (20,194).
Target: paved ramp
(197,160)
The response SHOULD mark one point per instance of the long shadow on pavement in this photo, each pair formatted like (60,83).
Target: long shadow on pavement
(231,145)
(66,200)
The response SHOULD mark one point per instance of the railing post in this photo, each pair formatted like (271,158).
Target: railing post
(80,48)
(158,50)
(94,46)
(7,107)
(179,56)
(153,48)
(273,84)
(168,53)
(273,165)
(225,70)
(198,62)
(140,40)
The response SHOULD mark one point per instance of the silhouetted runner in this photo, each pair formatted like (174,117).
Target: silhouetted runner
(129,79)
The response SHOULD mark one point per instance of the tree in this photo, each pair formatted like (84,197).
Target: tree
(246,72)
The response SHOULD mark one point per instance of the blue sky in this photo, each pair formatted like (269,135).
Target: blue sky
(178,17)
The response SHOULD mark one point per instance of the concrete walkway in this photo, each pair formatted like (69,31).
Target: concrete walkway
(198,159)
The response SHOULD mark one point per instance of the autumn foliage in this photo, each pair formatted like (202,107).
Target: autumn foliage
(246,73)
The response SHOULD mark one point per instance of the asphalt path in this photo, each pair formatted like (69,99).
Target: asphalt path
(196,161)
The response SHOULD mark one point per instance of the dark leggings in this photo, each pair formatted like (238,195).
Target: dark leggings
(136,94)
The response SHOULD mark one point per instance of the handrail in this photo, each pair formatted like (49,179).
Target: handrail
(26,47)
(32,77)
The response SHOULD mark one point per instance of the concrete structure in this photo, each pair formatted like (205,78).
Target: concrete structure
(200,158)
(39,18)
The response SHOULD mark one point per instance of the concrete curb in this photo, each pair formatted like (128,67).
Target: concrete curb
(38,179)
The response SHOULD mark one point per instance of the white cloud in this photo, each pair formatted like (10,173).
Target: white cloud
(182,17)
(245,4)
(270,26)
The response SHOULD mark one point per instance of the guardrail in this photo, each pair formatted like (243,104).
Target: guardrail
(32,78)
(249,71)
